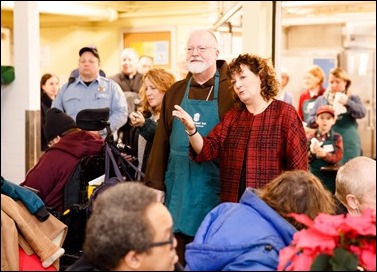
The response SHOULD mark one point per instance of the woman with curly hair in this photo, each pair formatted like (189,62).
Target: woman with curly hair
(256,140)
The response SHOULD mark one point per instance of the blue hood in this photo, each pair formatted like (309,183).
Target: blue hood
(239,236)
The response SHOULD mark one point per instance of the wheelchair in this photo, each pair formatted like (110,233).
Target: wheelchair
(75,195)
(75,199)
(77,204)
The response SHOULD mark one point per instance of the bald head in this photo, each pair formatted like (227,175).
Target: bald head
(205,35)
(356,184)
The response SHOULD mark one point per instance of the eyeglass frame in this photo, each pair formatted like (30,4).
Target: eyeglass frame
(201,49)
(163,243)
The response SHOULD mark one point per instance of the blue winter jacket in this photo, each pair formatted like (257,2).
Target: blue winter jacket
(31,201)
(239,236)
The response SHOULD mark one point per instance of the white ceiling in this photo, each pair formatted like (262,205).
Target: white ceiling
(293,12)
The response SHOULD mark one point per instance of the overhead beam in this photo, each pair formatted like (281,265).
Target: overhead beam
(227,15)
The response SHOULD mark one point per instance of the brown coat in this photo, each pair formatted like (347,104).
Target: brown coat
(20,228)
(158,159)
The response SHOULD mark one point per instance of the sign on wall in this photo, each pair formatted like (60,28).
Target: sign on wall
(155,44)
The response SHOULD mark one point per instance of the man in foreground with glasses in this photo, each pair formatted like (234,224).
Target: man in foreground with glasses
(129,230)
(192,189)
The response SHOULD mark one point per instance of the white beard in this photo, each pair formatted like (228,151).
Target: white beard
(197,67)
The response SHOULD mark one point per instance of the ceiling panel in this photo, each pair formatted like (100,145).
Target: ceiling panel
(293,12)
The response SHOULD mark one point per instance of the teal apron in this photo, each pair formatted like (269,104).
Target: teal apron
(307,107)
(346,126)
(327,177)
(192,189)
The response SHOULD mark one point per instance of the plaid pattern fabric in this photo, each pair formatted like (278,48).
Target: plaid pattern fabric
(274,140)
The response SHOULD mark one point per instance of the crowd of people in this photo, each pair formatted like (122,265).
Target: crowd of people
(221,157)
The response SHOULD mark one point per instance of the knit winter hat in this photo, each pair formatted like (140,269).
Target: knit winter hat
(56,123)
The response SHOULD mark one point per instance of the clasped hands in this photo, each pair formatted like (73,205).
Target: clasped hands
(185,118)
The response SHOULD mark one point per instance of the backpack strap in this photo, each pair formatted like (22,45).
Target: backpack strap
(117,152)
(109,156)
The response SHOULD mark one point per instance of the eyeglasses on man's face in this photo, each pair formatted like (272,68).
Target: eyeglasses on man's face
(164,243)
(201,49)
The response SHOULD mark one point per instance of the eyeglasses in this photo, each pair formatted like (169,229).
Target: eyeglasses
(201,49)
(170,241)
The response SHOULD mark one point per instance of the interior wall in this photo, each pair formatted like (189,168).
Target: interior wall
(60,43)
(60,49)
(314,36)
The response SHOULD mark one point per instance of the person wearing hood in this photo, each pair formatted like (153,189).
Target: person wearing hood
(67,146)
(247,236)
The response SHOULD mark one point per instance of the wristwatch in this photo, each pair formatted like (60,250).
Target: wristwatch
(192,134)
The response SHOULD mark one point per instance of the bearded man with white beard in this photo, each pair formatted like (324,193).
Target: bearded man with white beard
(189,189)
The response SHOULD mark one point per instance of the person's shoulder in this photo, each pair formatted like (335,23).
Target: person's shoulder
(84,135)
(111,82)
(114,76)
(66,85)
(355,98)
(322,90)
(105,79)
(89,134)
(220,63)
(234,110)
(283,105)
(139,76)
(222,67)
(249,194)
(337,136)
(177,88)
(179,83)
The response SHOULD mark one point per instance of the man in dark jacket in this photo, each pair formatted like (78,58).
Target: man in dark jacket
(68,145)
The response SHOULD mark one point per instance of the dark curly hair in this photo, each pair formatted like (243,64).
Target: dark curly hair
(259,66)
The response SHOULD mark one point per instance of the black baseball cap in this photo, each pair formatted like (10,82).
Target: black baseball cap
(91,49)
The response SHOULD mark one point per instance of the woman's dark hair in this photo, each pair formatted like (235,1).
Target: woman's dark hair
(44,79)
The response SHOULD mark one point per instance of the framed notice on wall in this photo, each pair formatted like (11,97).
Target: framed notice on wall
(154,44)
